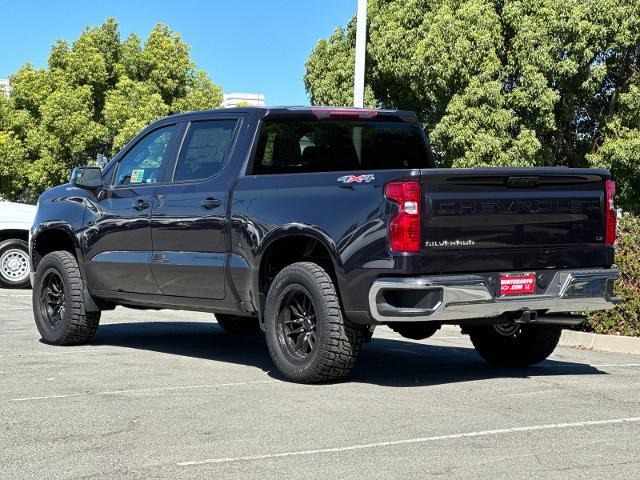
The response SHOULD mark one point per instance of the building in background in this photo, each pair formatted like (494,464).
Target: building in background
(4,87)
(243,100)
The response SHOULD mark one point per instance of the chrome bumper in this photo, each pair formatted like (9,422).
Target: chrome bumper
(461,297)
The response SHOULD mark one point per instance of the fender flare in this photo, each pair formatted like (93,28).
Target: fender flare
(303,230)
(45,227)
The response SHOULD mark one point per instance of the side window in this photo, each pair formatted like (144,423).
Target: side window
(142,163)
(205,149)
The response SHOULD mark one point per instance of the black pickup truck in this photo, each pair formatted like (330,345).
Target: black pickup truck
(315,225)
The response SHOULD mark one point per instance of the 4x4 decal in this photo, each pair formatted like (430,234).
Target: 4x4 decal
(356,178)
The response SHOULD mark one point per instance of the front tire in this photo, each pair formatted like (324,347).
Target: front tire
(14,264)
(58,302)
(515,345)
(309,339)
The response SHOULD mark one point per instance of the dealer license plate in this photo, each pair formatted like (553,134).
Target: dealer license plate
(517,284)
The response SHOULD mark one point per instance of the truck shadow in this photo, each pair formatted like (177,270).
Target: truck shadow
(384,361)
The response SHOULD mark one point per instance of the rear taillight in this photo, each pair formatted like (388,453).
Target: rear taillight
(404,230)
(610,214)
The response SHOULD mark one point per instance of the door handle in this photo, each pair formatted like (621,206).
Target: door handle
(211,203)
(141,205)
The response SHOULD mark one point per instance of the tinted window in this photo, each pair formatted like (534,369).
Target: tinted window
(205,149)
(142,163)
(289,146)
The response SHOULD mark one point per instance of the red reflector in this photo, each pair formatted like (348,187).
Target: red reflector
(404,233)
(610,213)
(404,229)
(343,113)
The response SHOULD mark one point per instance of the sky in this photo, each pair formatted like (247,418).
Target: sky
(257,46)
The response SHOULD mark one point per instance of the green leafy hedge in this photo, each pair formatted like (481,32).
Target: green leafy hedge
(624,319)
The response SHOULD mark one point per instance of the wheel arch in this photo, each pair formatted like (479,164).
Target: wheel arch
(291,244)
(51,238)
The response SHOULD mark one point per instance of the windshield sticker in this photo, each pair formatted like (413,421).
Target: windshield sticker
(137,175)
(356,178)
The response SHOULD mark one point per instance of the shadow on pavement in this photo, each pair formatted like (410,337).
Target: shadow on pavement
(385,362)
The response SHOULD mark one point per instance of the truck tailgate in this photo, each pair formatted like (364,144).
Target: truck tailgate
(513,218)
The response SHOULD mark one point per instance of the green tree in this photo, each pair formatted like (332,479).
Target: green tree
(502,82)
(329,75)
(94,95)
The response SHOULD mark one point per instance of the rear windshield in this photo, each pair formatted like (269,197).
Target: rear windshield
(294,146)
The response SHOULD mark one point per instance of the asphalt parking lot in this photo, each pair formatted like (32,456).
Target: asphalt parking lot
(169,395)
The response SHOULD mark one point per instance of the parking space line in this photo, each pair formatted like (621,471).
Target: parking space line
(145,390)
(455,436)
(602,365)
(47,397)
(186,387)
(482,366)
(61,352)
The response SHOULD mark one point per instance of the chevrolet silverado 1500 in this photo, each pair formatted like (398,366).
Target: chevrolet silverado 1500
(315,225)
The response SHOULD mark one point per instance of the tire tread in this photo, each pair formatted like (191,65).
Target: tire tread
(339,352)
(533,345)
(80,326)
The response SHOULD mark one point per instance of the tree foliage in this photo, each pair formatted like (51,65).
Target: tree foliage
(94,96)
(503,82)
(624,319)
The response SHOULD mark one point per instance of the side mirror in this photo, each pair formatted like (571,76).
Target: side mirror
(89,178)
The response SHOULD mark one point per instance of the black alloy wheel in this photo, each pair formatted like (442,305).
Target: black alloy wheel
(53,298)
(297,321)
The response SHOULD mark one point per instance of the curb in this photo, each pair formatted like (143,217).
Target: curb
(604,343)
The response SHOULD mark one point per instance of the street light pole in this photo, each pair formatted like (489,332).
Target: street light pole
(361,48)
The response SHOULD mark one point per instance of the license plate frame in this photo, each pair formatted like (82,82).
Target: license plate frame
(517,284)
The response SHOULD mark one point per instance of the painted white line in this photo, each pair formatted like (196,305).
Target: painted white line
(19,308)
(364,446)
(61,352)
(144,390)
(185,387)
(25,399)
(616,365)
(482,366)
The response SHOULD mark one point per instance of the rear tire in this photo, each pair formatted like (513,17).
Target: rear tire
(58,302)
(515,345)
(236,325)
(415,330)
(14,264)
(309,339)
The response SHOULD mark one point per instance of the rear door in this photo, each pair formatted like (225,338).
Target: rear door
(513,219)
(188,217)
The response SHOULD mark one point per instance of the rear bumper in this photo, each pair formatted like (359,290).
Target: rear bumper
(462,297)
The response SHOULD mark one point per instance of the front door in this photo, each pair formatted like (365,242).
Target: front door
(119,230)
(188,218)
